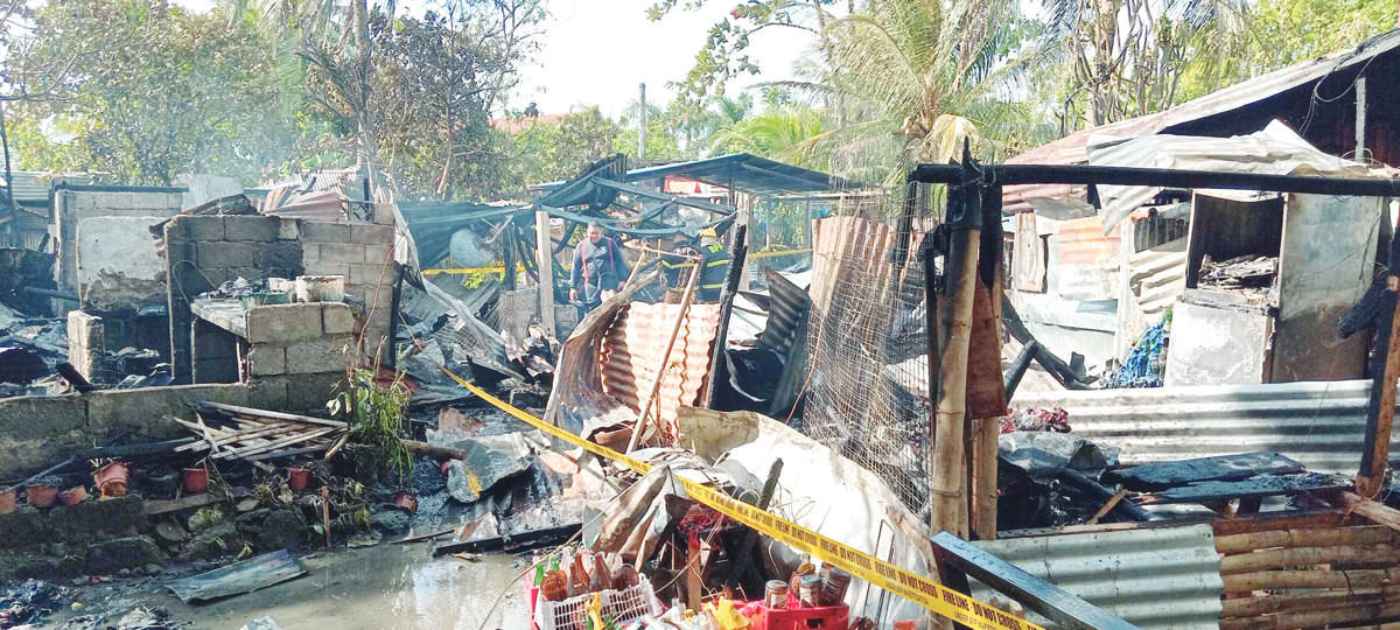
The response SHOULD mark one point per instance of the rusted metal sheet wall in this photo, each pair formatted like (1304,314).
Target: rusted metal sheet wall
(1326,264)
(1154,578)
(1319,424)
(633,347)
(1083,260)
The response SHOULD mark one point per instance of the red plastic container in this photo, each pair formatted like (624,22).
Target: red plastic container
(195,480)
(298,478)
(824,617)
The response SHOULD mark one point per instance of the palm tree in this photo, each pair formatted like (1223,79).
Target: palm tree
(788,135)
(921,76)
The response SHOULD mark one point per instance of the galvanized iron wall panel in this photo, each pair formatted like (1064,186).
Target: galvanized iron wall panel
(1320,424)
(633,347)
(1155,578)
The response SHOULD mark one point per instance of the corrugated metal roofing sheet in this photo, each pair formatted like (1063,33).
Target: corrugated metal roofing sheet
(633,348)
(32,187)
(787,309)
(1165,577)
(748,173)
(1156,277)
(1319,424)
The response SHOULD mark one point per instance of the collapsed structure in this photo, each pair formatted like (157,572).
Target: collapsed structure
(1119,382)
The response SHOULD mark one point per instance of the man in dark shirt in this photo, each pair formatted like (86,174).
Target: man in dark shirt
(599,270)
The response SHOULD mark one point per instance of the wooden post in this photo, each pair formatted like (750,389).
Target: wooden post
(948,477)
(1381,411)
(544,254)
(640,428)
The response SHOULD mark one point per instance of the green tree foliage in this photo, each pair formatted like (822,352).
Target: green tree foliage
(545,151)
(1279,33)
(787,134)
(143,91)
(436,81)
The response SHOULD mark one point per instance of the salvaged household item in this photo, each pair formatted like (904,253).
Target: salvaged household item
(111,479)
(621,606)
(8,500)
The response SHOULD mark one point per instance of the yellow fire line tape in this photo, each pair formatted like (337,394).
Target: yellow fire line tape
(931,595)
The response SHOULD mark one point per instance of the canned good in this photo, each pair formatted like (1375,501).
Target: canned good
(775,595)
(834,584)
(809,590)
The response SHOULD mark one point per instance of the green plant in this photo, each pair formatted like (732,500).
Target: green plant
(376,414)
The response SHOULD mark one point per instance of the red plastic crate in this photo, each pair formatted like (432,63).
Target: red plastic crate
(825,618)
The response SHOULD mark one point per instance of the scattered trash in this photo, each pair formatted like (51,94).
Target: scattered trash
(29,602)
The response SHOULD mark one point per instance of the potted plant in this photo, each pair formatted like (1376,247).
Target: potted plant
(111,478)
(41,493)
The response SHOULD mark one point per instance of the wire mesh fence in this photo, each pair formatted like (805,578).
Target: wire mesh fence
(868,363)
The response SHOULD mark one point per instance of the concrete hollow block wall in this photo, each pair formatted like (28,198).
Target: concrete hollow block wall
(301,347)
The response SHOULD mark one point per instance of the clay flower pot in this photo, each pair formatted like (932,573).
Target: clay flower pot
(41,495)
(195,480)
(406,501)
(8,501)
(298,478)
(112,479)
(73,496)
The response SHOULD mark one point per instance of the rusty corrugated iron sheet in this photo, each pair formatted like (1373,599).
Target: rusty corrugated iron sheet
(632,350)
(1084,260)
(1072,149)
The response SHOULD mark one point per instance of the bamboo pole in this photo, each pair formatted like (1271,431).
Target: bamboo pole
(1268,522)
(1304,556)
(1316,619)
(1378,513)
(1363,535)
(949,474)
(1266,580)
(640,427)
(990,394)
(985,434)
(1312,600)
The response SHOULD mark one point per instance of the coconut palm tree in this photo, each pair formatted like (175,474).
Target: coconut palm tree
(918,77)
(788,134)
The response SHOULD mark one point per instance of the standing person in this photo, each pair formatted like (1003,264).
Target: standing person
(598,272)
(715,269)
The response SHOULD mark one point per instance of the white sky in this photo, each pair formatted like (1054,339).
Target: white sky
(596,52)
